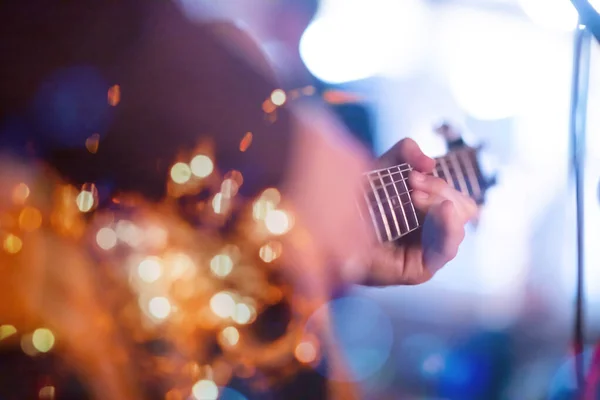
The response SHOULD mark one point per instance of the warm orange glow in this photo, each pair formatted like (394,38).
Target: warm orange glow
(246,141)
(27,345)
(47,392)
(12,244)
(114,95)
(30,219)
(20,193)
(268,106)
(92,143)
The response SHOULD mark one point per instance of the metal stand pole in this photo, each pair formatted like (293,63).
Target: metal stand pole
(578,115)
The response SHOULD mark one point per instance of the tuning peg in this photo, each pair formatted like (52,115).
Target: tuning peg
(492,181)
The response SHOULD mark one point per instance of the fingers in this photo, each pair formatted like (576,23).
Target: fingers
(408,151)
(430,190)
(443,232)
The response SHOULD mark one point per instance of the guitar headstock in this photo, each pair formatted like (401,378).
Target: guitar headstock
(465,158)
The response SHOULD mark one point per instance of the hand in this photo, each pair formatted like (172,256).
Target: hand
(447,212)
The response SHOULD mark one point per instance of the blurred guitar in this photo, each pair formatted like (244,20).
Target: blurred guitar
(388,198)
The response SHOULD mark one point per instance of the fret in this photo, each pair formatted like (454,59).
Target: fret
(381,210)
(412,206)
(395,201)
(373,218)
(458,173)
(385,185)
(472,178)
(445,171)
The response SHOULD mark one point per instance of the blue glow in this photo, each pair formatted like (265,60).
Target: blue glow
(363,334)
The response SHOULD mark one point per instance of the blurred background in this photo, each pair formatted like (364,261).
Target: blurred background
(496,323)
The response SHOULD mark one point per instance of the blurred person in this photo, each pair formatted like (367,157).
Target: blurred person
(180,82)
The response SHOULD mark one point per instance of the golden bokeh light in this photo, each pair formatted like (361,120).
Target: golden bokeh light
(159,307)
(223,305)
(30,219)
(246,142)
(179,264)
(92,143)
(278,222)
(205,390)
(106,238)
(219,204)
(270,251)
(20,193)
(221,265)
(273,195)
(306,352)
(128,232)
(12,244)
(43,340)
(181,173)
(47,392)
(261,207)
(202,166)
(229,188)
(229,336)
(278,97)
(87,198)
(6,331)
(243,313)
(268,107)
(114,95)
(150,269)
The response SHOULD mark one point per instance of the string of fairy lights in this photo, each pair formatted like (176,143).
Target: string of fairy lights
(160,277)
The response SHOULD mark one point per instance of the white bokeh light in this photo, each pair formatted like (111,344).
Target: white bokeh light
(357,39)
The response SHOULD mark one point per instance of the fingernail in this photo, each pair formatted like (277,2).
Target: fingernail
(419,177)
(419,195)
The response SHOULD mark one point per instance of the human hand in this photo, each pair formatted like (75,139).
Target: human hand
(446,212)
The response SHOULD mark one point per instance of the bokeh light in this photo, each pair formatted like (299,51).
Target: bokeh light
(202,166)
(221,265)
(30,219)
(150,269)
(230,336)
(278,222)
(223,304)
(181,173)
(106,238)
(159,307)
(278,97)
(12,244)
(43,340)
(205,390)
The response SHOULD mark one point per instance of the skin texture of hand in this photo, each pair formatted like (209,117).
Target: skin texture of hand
(446,211)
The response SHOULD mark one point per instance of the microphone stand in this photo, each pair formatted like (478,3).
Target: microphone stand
(577,128)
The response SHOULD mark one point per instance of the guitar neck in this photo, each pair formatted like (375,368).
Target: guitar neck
(388,195)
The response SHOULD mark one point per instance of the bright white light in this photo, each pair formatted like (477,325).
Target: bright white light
(357,39)
(552,14)
(159,307)
(490,63)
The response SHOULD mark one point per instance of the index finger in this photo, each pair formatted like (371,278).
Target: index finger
(408,151)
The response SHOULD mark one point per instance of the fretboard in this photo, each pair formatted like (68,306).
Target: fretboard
(388,194)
